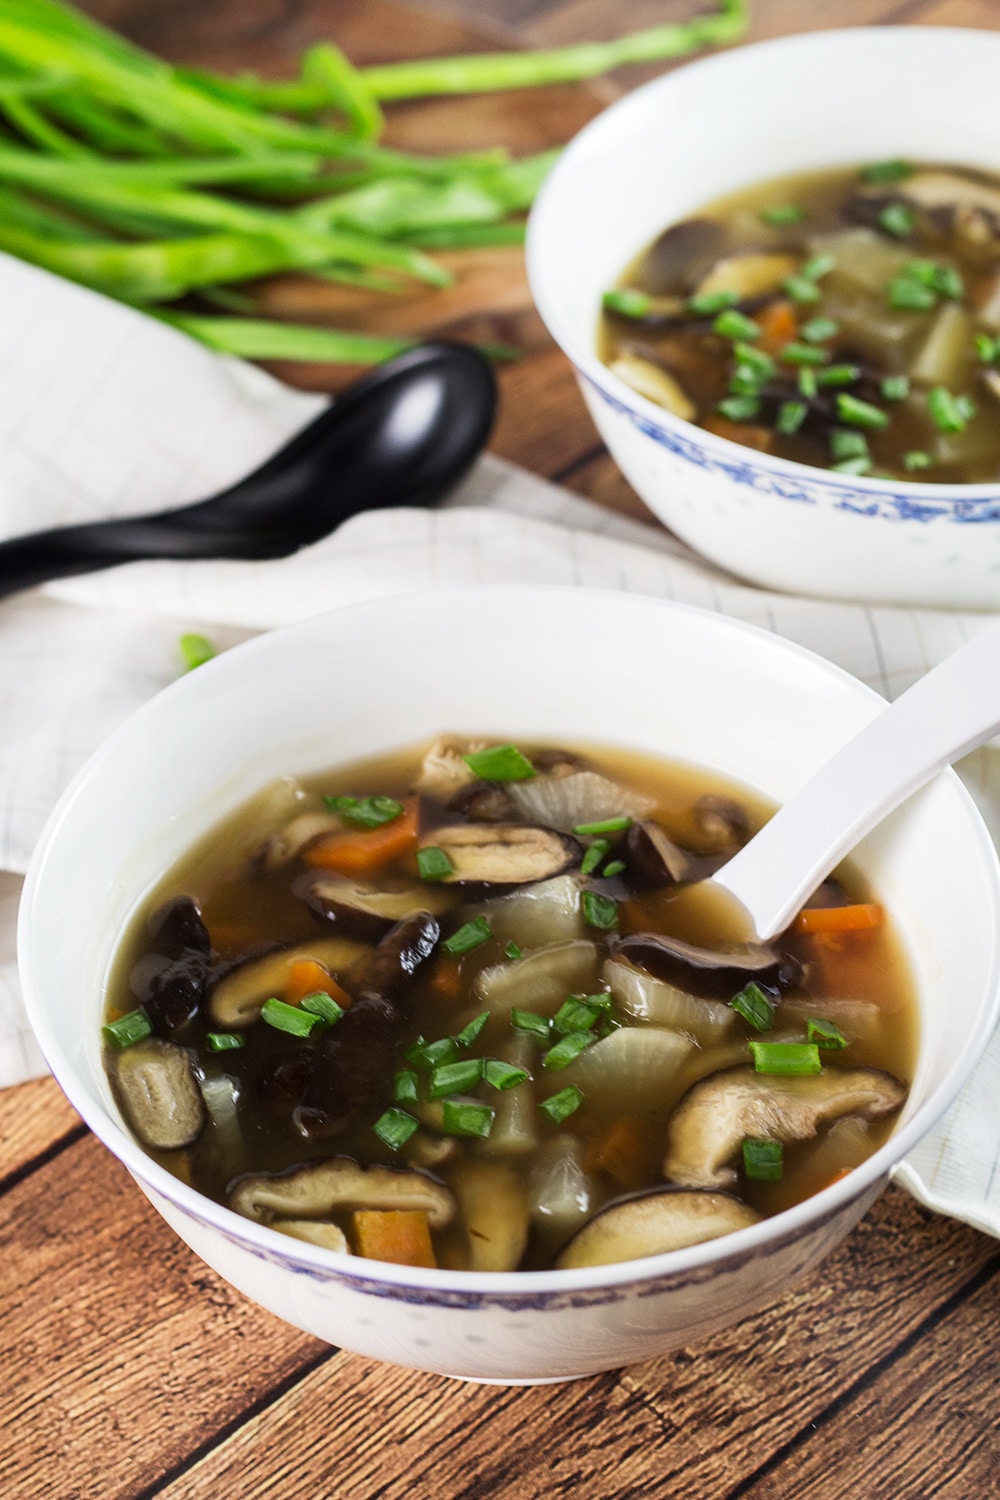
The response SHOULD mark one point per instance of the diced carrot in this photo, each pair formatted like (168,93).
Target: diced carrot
(739,432)
(307,977)
(777,326)
(399,1235)
(446,978)
(366,850)
(857,918)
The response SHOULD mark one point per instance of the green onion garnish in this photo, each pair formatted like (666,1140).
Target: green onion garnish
(711,302)
(433,863)
(613,867)
(803,354)
(598,910)
(792,1058)
(129,1028)
(578,1013)
(916,459)
(503,1075)
(858,465)
(366,812)
(818,267)
(909,295)
(605,825)
(754,1006)
(472,935)
(886,171)
(513,951)
(456,1078)
(285,1017)
(225,1041)
(762,1160)
(739,408)
(802,289)
(468,1034)
(783,213)
(322,1005)
(825,1033)
(461,1118)
(895,388)
(844,444)
(939,277)
(807,382)
(567,1049)
(196,650)
(404,1086)
(531,1023)
(987,349)
(731,324)
(598,849)
(948,413)
(560,1106)
(897,219)
(757,362)
(395,1127)
(838,375)
(432,1055)
(500,763)
(626,301)
(791,415)
(818,329)
(861,413)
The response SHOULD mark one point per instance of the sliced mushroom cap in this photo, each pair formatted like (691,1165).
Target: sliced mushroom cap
(717,971)
(690,245)
(494,1210)
(505,853)
(668,1219)
(156,1089)
(235,1000)
(318,1189)
(655,383)
(941,189)
(366,910)
(568,797)
(709,1125)
(750,273)
(653,858)
(289,841)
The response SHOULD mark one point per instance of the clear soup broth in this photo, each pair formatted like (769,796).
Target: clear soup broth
(451,1007)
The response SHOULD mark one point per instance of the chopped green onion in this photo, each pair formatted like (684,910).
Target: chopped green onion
(939,277)
(818,267)
(461,1118)
(897,219)
(838,375)
(470,936)
(196,650)
(225,1041)
(783,213)
(395,1127)
(366,812)
(285,1017)
(504,1075)
(578,1013)
(807,382)
(605,825)
(432,1055)
(626,301)
(825,1033)
(987,349)
(803,354)
(731,324)
(895,388)
(754,1006)
(596,852)
(560,1106)
(468,1034)
(711,302)
(818,329)
(916,459)
(613,867)
(790,1058)
(500,763)
(598,910)
(802,289)
(756,361)
(457,1077)
(131,1027)
(513,951)
(858,465)
(567,1049)
(762,1160)
(534,1025)
(861,413)
(948,413)
(322,1005)
(433,863)
(844,444)
(887,171)
(739,408)
(908,295)
(791,415)
(404,1087)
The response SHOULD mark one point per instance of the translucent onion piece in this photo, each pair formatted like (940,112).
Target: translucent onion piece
(646,998)
(563,802)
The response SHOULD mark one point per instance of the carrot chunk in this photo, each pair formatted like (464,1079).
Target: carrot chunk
(399,1235)
(777,325)
(364,851)
(860,917)
(307,977)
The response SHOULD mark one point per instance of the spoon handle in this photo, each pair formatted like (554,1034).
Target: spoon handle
(69,550)
(945,714)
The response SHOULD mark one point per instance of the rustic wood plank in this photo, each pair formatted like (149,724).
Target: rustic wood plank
(34,1118)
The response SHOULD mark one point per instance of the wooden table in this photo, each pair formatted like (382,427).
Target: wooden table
(129,1369)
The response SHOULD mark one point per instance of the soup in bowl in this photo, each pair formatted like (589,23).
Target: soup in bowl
(463,1193)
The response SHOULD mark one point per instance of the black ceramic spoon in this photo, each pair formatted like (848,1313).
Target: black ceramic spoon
(401,435)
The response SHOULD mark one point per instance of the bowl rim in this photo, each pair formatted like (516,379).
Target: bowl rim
(70,1071)
(615,391)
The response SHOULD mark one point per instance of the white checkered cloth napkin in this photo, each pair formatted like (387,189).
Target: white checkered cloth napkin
(105,412)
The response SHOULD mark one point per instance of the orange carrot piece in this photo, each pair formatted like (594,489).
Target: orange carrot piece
(446,978)
(739,432)
(366,850)
(777,325)
(307,977)
(399,1235)
(860,917)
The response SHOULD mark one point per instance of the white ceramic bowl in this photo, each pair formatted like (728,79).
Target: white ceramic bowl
(563,665)
(662,153)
